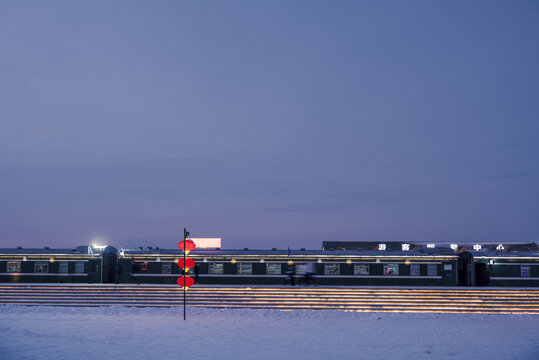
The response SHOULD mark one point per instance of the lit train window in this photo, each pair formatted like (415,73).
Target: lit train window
(167,268)
(62,267)
(432,270)
(331,269)
(525,270)
(79,267)
(391,269)
(215,268)
(414,269)
(305,268)
(273,269)
(14,267)
(300,268)
(361,269)
(41,267)
(245,268)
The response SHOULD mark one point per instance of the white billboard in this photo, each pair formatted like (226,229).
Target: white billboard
(204,243)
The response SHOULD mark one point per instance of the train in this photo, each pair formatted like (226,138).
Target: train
(352,263)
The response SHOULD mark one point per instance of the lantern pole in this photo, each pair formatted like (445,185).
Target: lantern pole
(185,234)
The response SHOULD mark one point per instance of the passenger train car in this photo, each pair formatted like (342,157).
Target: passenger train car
(338,263)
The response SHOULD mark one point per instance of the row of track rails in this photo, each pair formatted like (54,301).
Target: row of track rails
(432,300)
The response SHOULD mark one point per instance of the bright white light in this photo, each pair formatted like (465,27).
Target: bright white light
(431,246)
(405,247)
(454,247)
(381,247)
(97,243)
(477,247)
(500,248)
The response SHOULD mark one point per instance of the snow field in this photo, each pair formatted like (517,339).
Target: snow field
(153,333)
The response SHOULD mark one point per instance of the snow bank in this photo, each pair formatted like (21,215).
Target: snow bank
(152,333)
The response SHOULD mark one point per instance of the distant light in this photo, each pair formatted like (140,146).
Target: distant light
(477,247)
(431,246)
(405,247)
(349,262)
(205,260)
(319,261)
(454,247)
(158,259)
(381,247)
(24,258)
(491,262)
(290,262)
(261,260)
(407,262)
(51,260)
(233,261)
(97,243)
(500,248)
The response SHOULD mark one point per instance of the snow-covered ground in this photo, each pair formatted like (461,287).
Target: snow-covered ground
(160,333)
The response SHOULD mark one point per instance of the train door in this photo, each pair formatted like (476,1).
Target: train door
(482,275)
(465,269)
(108,265)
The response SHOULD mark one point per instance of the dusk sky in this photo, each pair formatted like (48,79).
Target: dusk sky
(268,123)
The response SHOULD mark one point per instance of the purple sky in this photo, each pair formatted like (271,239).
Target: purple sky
(270,123)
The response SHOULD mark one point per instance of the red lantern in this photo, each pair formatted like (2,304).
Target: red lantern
(189,264)
(187,245)
(185,281)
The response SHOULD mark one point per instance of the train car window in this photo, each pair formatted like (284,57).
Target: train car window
(361,269)
(414,269)
(391,269)
(41,267)
(215,268)
(273,269)
(432,270)
(14,267)
(79,267)
(167,268)
(245,268)
(331,269)
(62,267)
(524,270)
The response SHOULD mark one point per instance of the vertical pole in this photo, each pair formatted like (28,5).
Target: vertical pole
(184,279)
(184,288)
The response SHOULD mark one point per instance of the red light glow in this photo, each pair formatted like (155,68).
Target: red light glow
(185,281)
(188,264)
(187,246)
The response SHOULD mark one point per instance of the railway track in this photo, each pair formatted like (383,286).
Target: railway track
(454,300)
